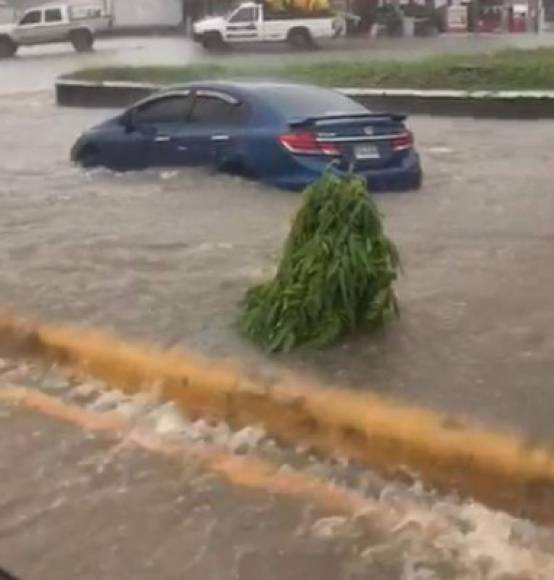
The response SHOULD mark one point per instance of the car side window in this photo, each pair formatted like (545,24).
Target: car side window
(163,110)
(32,17)
(212,110)
(244,15)
(53,15)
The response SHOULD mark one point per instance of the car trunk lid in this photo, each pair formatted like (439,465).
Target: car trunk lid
(360,141)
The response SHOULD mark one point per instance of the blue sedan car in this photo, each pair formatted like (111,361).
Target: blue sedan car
(285,135)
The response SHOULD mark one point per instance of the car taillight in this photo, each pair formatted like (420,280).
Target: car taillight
(403,141)
(306,143)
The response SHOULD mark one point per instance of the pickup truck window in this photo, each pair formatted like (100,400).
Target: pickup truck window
(32,17)
(244,15)
(53,15)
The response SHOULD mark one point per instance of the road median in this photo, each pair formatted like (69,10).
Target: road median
(478,104)
(516,84)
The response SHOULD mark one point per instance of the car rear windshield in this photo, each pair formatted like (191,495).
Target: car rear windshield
(302,102)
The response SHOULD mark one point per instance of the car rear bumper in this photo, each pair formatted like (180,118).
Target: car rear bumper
(404,176)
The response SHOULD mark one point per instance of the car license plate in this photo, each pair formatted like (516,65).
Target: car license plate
(366,152)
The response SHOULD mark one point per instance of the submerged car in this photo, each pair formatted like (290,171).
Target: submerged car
(285,135)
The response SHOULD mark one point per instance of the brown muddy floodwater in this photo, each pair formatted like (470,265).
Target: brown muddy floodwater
(168,255)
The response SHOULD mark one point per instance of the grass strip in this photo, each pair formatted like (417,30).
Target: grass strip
(500,70)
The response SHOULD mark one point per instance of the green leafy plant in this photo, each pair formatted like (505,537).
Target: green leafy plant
(336,273)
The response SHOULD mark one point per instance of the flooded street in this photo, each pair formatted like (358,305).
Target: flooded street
(166,256)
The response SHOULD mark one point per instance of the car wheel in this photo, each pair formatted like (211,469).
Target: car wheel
(82,40)
(8,48)
(300,39)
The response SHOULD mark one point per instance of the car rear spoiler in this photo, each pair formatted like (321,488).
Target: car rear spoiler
(371,117)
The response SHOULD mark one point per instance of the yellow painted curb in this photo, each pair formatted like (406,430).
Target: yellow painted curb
(496,469)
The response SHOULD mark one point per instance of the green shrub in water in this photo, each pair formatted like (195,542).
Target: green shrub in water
(336,274)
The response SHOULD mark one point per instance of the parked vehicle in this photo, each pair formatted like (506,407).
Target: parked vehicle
(77,24)
(252,22)
(282,134)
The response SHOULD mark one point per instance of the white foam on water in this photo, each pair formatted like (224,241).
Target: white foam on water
(447,540)
(136,407)
(167,420)
(424,536)
(166,175)
(86,390)
(247,439)
(108,401)
(439,150)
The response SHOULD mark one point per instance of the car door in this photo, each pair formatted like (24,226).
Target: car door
(274,27)
(158,123)
(215,124)
(244,25)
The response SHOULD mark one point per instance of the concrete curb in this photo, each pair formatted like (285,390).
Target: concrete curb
(497,469)
(113,94)
(480,104)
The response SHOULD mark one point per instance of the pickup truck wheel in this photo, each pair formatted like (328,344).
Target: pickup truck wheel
(82,40)
(300,39)
(8,47)
(213,41)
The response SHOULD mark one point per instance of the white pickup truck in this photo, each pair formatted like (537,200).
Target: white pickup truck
(252,22)
(54,23)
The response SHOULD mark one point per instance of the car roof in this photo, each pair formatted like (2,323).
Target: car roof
(283,97)
(247,86)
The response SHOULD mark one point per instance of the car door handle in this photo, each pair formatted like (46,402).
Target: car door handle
(220,137)
(162,138)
